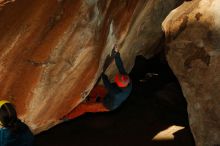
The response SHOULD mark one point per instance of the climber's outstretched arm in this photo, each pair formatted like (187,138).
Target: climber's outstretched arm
(118,60)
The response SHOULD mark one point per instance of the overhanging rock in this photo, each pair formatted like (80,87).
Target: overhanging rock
(52,51)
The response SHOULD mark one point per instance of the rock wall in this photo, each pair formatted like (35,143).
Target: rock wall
(4,2)
(193,52)
(52,51)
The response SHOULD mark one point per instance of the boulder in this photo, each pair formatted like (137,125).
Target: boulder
(52,51)
(193,52)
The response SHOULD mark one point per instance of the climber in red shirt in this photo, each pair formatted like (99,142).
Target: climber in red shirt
(108,97)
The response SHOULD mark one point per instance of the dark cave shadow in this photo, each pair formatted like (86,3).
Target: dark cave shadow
(146,112)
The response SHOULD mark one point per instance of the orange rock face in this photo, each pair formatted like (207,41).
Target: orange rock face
(4,2)
(52,51)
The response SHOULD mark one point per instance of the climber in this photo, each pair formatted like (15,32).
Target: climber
(13,132)
(108,97)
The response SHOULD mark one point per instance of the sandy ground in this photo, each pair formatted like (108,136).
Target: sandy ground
(156,104)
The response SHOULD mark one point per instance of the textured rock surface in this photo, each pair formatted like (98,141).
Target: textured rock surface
(193,34)
(4,2)
(52,52)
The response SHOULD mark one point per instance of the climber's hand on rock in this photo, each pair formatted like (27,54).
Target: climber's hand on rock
(64,119)
(114,51)
(116,48)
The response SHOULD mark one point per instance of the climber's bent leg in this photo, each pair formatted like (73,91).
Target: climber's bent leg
(83,108)
(97,94)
